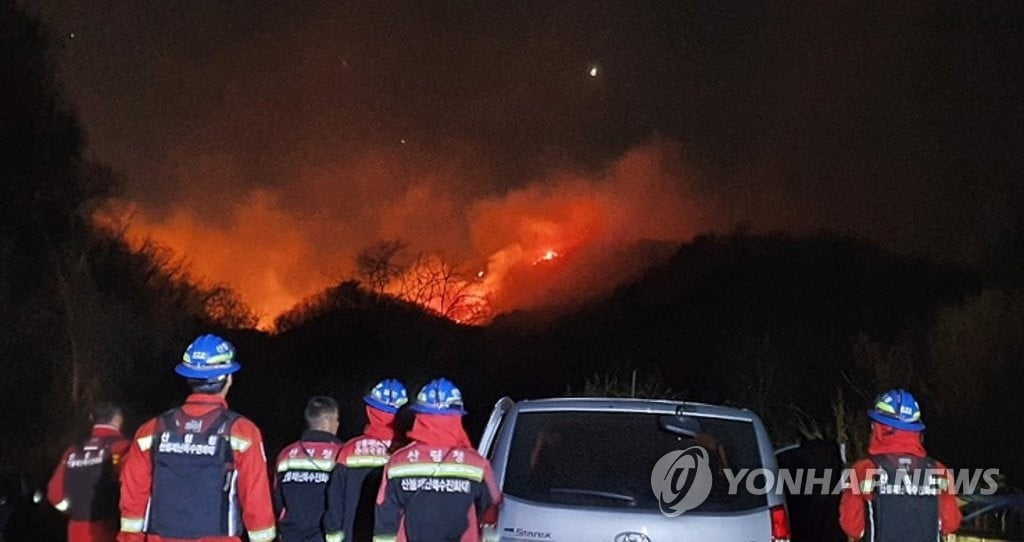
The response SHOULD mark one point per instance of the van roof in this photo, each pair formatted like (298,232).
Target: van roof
(653,406)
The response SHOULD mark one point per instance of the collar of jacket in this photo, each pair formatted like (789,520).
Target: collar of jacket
(315,435)
(104,430)
(206,399)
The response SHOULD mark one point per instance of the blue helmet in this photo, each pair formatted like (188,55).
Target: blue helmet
(898,409)
(388,395)
(209,357)
(439,397)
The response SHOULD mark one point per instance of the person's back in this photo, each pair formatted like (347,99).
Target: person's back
(361,461)
(898,493)
(304,469)
(439,492)
(438,488)
(85,483)
(197,472)
(193,464)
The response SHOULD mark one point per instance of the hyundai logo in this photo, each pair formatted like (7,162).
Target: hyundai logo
(632,537)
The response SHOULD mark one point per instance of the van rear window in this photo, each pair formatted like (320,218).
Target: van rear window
(605,459)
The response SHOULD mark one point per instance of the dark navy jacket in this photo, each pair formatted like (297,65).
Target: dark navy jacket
(304,470)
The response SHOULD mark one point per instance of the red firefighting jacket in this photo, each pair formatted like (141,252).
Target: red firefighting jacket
(250,462)
(885,441)
(98,529)
(437,488)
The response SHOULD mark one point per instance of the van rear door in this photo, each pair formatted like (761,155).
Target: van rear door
(588,475)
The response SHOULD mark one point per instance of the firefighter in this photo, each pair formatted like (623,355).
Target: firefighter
(898,493)
(304,469)
(351,496)
(198,472)
(85,484)
(438,487)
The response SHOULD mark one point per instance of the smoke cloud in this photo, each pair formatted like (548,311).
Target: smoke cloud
(269,144)
(559,238)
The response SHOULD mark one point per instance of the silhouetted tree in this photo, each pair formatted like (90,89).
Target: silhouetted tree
(444,288)
(223,305)
(640,384)
(83,315)
(377,264)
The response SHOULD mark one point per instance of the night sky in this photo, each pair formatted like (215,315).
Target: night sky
(899,121)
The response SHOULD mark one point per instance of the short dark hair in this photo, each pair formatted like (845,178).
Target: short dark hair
(198,385)
(318,407)
(104,412)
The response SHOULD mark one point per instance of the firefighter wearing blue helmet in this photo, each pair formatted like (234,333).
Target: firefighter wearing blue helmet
(898,493)
(438,487)
(352,493)
(198,472)
(899,409)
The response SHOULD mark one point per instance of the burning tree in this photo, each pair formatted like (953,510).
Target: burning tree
(443,287)
(430,281)
(377,266)
(224,306)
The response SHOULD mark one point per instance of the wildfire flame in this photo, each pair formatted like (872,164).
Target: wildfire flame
(276,246)
(547,257)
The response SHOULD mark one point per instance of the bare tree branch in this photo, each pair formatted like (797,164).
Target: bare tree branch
(377,266)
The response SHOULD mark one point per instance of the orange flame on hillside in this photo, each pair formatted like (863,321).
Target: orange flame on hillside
(278,246)
(547,257)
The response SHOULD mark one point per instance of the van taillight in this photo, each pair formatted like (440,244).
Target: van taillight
(490,516)
(489,525)
(780,524)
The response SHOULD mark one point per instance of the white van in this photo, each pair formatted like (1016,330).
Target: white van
(580,470)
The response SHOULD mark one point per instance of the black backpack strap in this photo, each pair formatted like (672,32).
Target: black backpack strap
(226,420)
(883,461)
(880,462)
(101,443)
(89,445)
(898,462)
(222,428)
(223,425)
(166,422)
